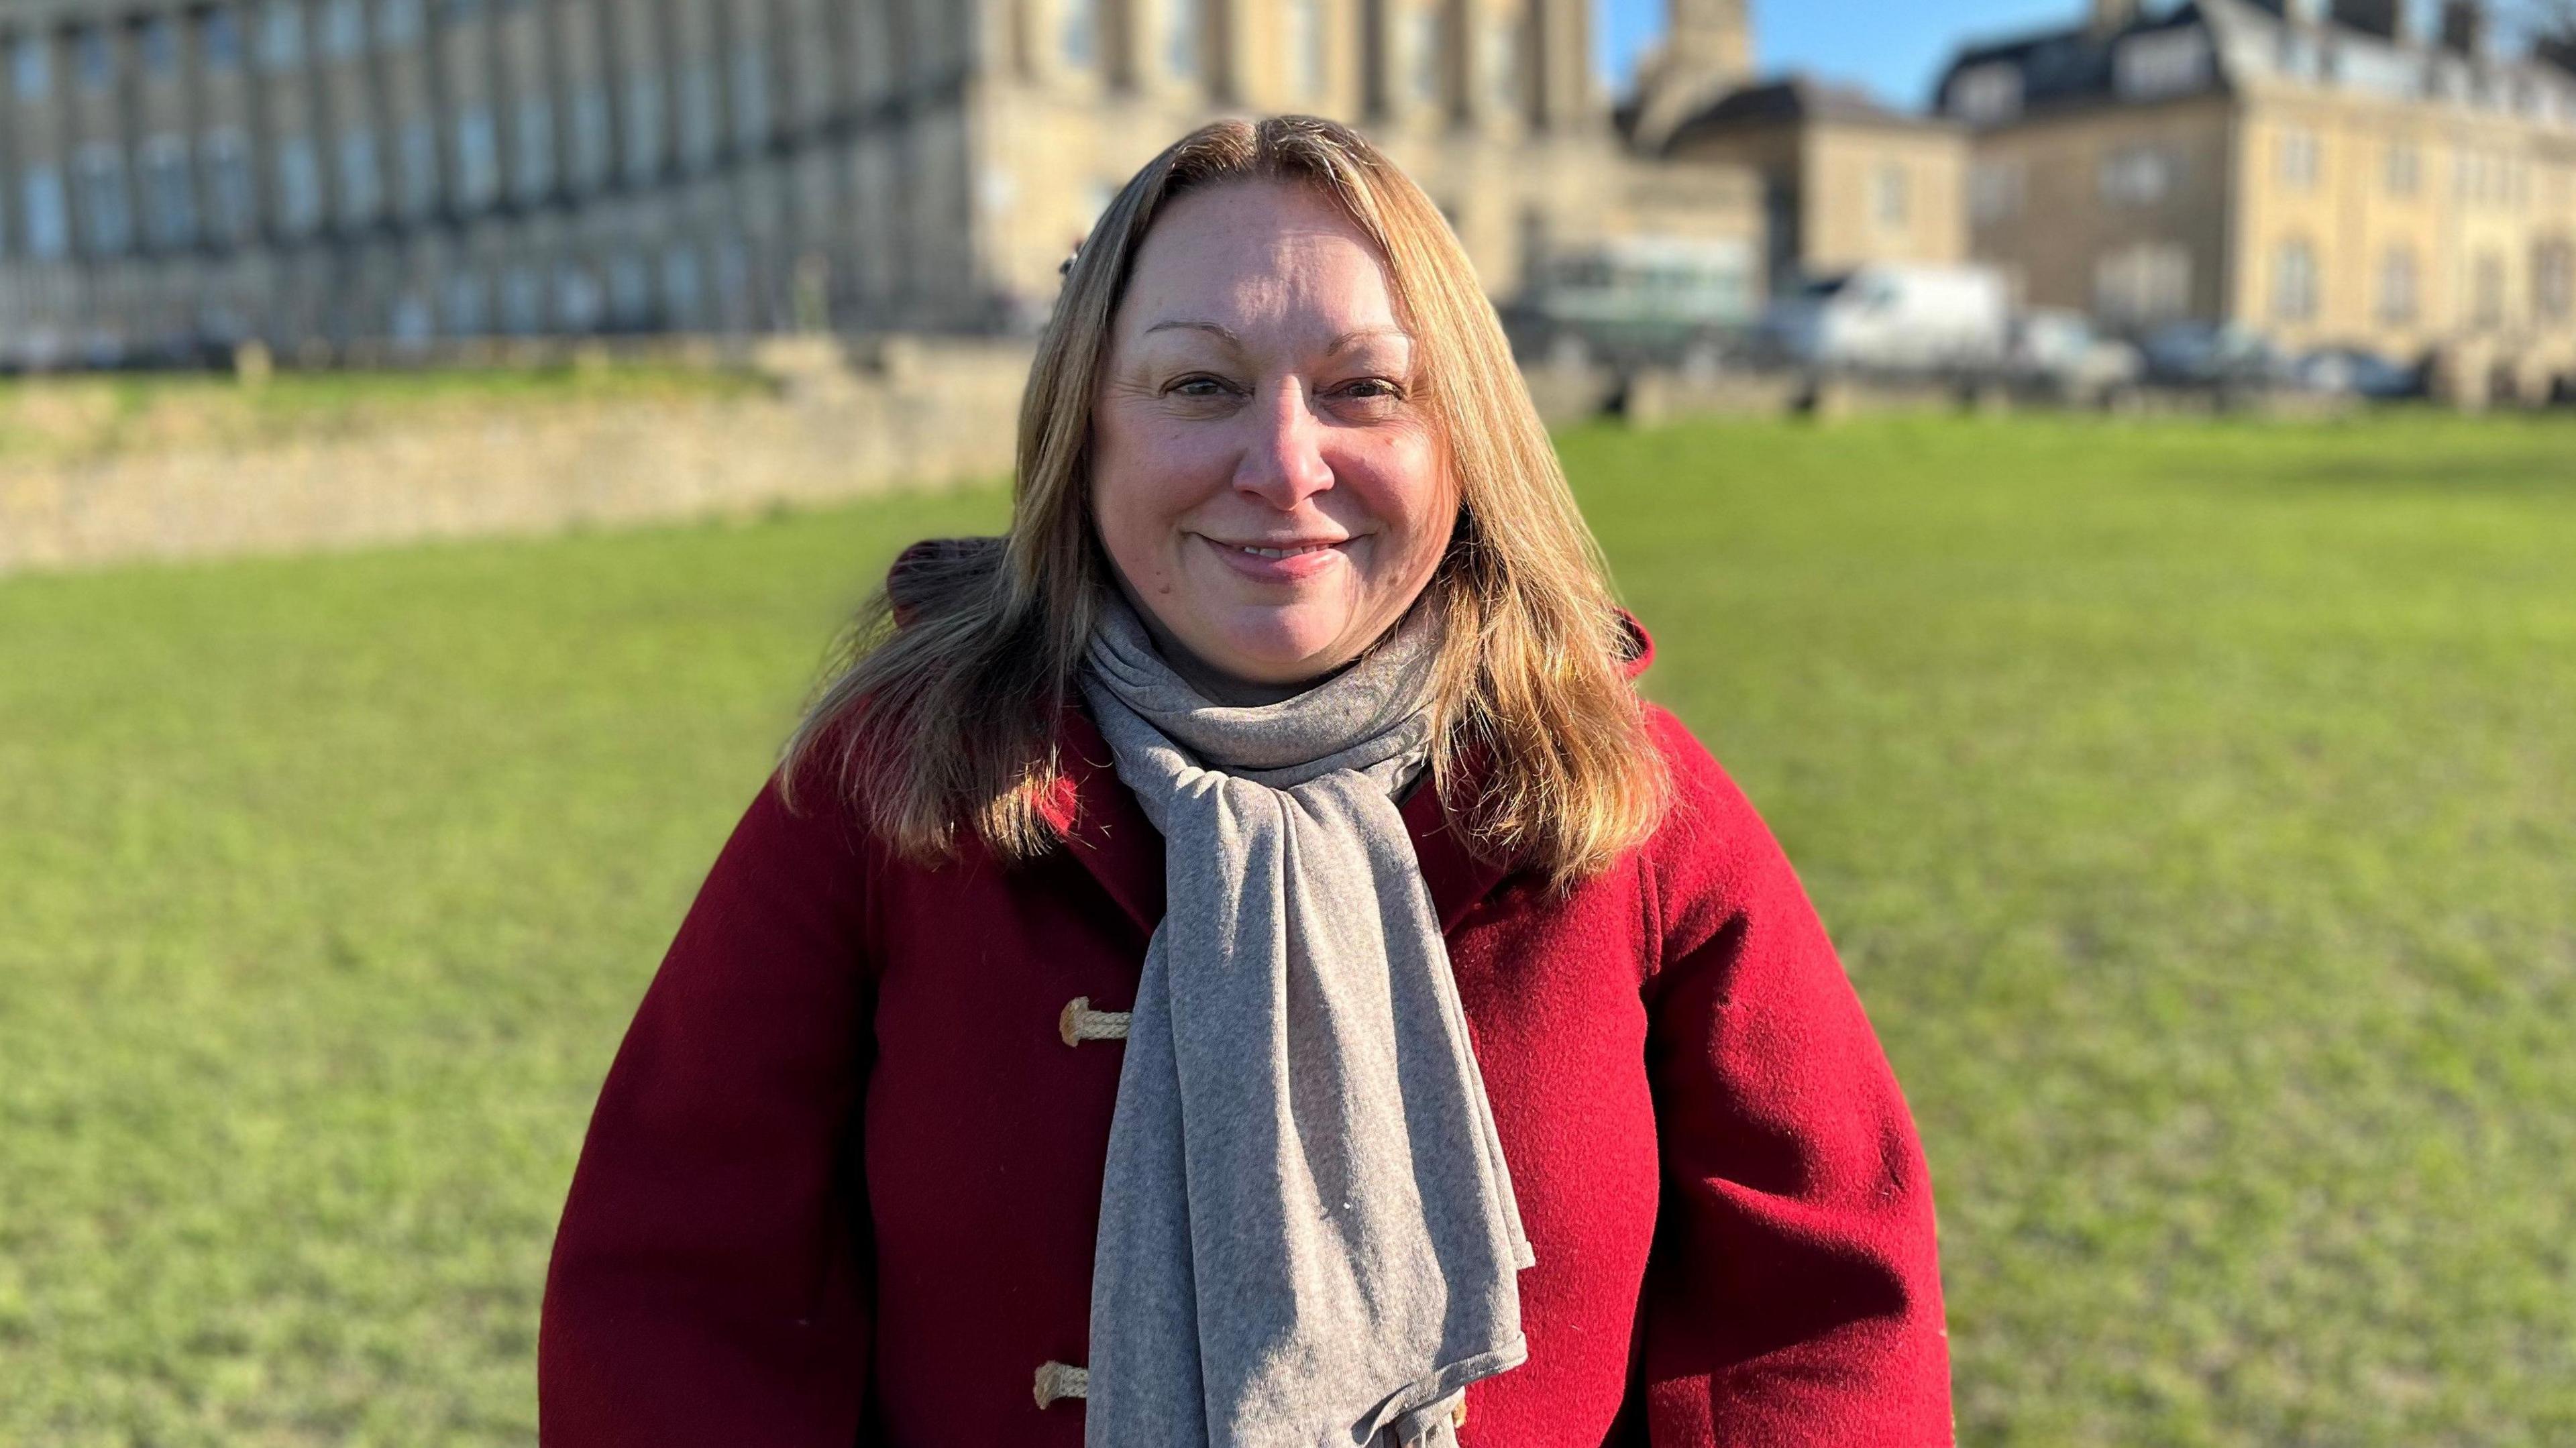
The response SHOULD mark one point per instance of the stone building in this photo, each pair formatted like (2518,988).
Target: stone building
(2358,172)
(180,175)
(1846,180)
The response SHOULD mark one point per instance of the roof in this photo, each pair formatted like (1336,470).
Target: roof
(2248,43)
(1795,98)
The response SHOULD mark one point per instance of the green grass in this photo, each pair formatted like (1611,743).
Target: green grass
(2195,806)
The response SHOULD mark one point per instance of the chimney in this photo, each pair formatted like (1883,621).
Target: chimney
(2110,17)
(2464,27)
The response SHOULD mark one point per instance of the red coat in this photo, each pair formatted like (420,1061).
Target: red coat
(844,1177)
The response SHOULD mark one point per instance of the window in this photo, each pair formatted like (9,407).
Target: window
(281,35)
(408,320)
(1890,198)
(94,58)
(1987,94)
(2300,160)
(590,135)
(523,301)
(361,191)
(397,23)
(697,111)
(2405,174)
(532,136)
(1422,54)
(680,284)
(2553,281)
(2397,289)
(218,41)
(99,172)
(416,152)
(157,40)
(2161,63)
(2142,283)
(1307,57)
(2486,290)
(751,95)
(461,298)
(48,213)
(1078,34)
(169,202)
(2294,281)
(31,67)
(299,185)
(231,207)
(1503,66)
(478,156)
(630,291)
(643,124)
(2138,175)
(1994,190)
(1184,42)
(344,29)
(578,298)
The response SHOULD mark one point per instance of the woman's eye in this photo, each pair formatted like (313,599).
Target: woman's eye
(1372,389)
(1200,387)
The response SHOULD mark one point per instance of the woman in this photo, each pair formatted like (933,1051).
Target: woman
(1235,963)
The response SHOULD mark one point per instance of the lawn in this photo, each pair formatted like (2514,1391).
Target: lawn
(2194,804)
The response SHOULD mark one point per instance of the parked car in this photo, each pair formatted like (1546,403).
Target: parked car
(2357,371)
(2213,354)
(1894,318)
(2058,350)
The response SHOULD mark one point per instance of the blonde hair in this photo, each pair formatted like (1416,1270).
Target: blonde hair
(945,712)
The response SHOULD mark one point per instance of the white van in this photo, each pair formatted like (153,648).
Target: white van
(1896,317)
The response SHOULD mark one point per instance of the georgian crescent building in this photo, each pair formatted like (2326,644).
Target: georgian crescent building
(184,176)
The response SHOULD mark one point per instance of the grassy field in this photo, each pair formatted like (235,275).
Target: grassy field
(2195,806)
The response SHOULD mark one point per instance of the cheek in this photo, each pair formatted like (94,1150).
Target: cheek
(1136,490)
(1405,486)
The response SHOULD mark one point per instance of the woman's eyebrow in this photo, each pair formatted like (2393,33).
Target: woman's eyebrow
(1211,328)
(1354,337)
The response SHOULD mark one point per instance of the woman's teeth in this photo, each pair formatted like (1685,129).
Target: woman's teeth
(1286,552)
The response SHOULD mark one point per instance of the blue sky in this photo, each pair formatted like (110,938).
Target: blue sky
(1895,47)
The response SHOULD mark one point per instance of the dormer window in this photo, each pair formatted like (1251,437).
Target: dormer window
(2162,63)
(1987,94)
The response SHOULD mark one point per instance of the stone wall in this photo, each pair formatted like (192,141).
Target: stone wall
(822,428)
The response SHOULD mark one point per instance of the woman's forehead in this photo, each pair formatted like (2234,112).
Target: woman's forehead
(1242,257)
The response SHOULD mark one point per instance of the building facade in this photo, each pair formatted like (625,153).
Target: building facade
(1845,179)
(2355,173)
(183,175)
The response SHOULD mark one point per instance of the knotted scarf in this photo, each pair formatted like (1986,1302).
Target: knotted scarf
(1307,1231)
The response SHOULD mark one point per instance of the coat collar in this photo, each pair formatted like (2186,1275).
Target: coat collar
(1104,828)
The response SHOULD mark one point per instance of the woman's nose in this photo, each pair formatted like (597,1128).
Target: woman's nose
(1284,463)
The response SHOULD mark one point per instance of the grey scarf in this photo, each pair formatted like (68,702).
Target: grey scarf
(1307,1233)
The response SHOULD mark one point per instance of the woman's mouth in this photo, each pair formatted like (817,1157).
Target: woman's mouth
(1279,563)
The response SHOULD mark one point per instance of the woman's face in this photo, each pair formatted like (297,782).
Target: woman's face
(1263,478)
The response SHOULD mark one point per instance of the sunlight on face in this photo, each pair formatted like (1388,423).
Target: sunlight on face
(1263,479)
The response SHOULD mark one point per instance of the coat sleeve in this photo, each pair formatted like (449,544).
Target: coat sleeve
(1793,1296)
(705,1286)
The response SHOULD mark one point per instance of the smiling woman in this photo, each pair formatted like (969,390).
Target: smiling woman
(1235,962)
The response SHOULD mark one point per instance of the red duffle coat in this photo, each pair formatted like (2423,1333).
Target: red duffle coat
(844,1177)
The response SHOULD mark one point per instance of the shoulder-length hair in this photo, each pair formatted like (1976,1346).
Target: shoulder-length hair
(945,714)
